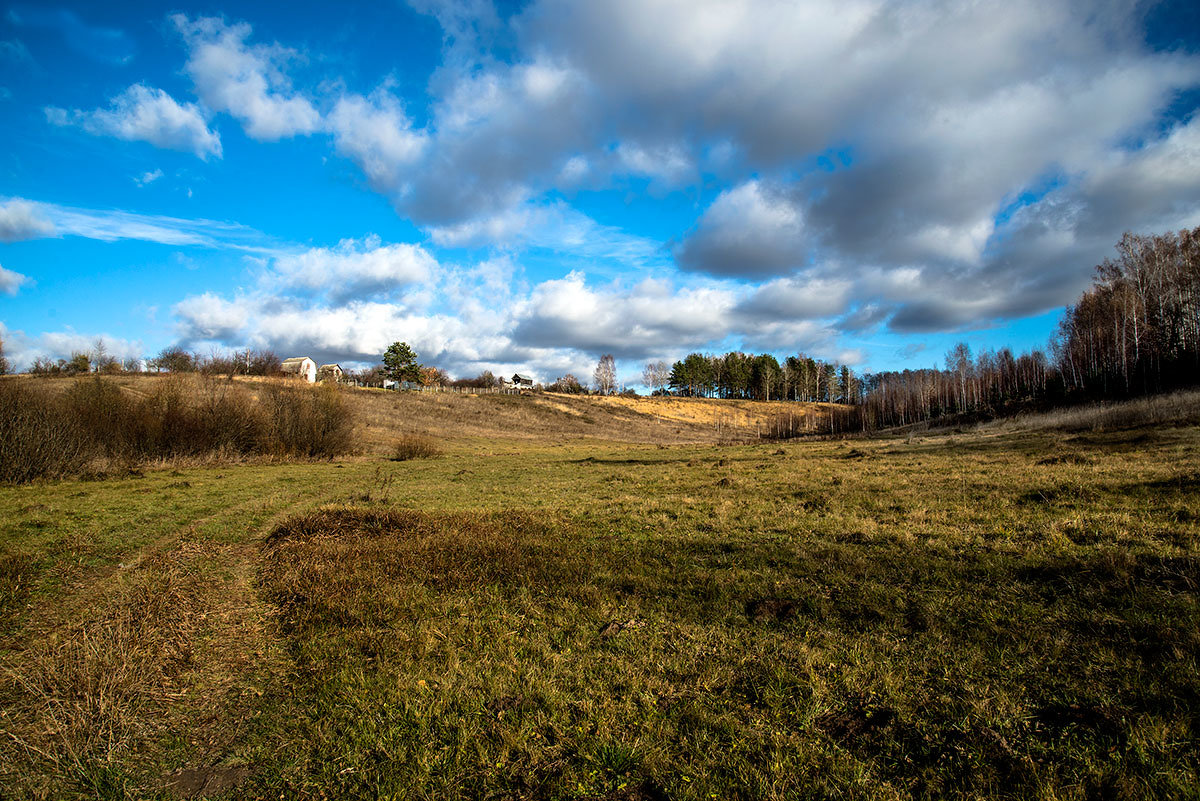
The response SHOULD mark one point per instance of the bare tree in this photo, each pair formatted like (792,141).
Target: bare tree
(605,377)
(655,375)
(101,360)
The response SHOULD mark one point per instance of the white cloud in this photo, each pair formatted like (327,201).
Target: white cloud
(557,227)
(209,316)
(354,269)
(11,282)
(25,219)
(566,313)
(892,161)
(670,165)
(147,178)
(375,133)
(22,348)
(145,114)
(20,219)
(508,226)
(248,82)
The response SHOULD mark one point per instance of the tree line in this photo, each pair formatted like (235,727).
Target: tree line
(755,377)
(1134,331)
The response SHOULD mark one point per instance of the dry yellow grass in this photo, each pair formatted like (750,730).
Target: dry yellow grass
(739,414)
(382,417)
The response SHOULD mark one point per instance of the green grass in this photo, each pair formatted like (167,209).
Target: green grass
(979,615)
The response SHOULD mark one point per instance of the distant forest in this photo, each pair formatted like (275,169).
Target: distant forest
(1135,331)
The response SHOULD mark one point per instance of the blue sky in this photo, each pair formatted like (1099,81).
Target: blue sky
(528,186)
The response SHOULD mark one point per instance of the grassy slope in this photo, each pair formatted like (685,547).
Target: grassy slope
(512,421)
(998,613)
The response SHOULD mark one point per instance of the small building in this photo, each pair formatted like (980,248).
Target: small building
(330,372)
(522,381)
(300,366)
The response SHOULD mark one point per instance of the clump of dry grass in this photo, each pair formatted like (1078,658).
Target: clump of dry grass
(1177,408)
(78,701)
(307,554)
(415,446)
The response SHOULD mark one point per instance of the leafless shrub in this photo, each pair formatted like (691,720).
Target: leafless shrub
(48,435)
(312,422)
(38,438)
(415,446)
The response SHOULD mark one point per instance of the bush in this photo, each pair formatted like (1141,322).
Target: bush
(310,421)
(568,384)
(43,435)
(38,438)
(415,446)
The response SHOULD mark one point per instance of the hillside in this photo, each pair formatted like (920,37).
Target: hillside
(381,416)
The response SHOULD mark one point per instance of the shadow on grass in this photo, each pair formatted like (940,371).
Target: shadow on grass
(513,654)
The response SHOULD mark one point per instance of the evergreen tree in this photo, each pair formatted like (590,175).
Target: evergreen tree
(400,363)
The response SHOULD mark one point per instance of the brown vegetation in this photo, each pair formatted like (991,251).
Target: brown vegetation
(49,431)
(415,446)
(450,417)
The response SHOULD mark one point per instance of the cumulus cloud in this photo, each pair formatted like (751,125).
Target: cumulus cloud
(566,313)
(20,219)
(895,161)
(1042,257)
(750,231)
(11,281)
(376,134)
(211,317)
(912,157)
(246,81)
(355,332)
(961,163)
(338,303)
(797,298)
(142,113)
(480,318)
(354,269)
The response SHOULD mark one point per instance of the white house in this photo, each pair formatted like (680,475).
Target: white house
(522,381)
(300,366)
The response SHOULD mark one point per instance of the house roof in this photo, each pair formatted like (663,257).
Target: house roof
(295,360)
(330,366)
(519,377)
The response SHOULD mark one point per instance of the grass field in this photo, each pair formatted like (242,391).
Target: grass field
(995,613)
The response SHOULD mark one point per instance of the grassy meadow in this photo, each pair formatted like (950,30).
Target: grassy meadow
(591,599)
